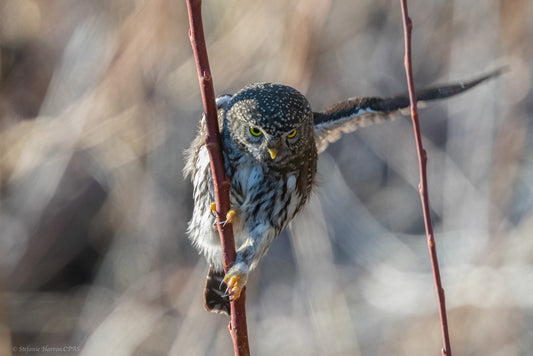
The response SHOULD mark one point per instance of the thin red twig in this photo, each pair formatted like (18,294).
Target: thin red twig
(423,185)
(237,325)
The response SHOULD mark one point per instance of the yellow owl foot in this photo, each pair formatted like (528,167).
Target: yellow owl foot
(235,280)
(230,216)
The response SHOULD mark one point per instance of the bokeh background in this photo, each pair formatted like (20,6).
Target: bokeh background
(98,100)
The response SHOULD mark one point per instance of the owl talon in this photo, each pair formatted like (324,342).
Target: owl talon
(213,208)
(234,289)
(235,280)
(230,217)
(227,294)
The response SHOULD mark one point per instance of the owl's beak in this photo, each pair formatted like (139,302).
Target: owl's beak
(273,152)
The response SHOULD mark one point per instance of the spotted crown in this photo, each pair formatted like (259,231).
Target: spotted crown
(274,107)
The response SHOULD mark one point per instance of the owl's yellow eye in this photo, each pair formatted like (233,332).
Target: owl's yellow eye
(255,131)
(291,134)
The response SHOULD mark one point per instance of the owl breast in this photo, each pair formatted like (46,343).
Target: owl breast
(265,200)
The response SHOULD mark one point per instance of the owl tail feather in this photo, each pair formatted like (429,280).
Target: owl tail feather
(214,291)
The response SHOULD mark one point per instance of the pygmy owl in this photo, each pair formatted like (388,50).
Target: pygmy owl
(270,140)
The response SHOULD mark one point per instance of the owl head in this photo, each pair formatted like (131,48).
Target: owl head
(270,122)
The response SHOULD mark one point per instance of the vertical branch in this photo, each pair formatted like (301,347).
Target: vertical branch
(237,325)
(423,185)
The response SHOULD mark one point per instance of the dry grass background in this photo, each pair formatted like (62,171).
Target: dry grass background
(99,98)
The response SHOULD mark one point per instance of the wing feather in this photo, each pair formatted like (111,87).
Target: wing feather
(191,154)
(347,116)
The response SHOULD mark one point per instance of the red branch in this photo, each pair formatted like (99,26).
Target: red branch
(423,185)
(237,325)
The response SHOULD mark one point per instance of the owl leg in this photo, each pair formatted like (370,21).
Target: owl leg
(248,255)
(236,279)
(230,216)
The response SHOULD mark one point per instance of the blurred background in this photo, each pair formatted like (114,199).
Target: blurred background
(98,100)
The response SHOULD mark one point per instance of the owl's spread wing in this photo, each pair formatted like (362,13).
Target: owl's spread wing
(347,116)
